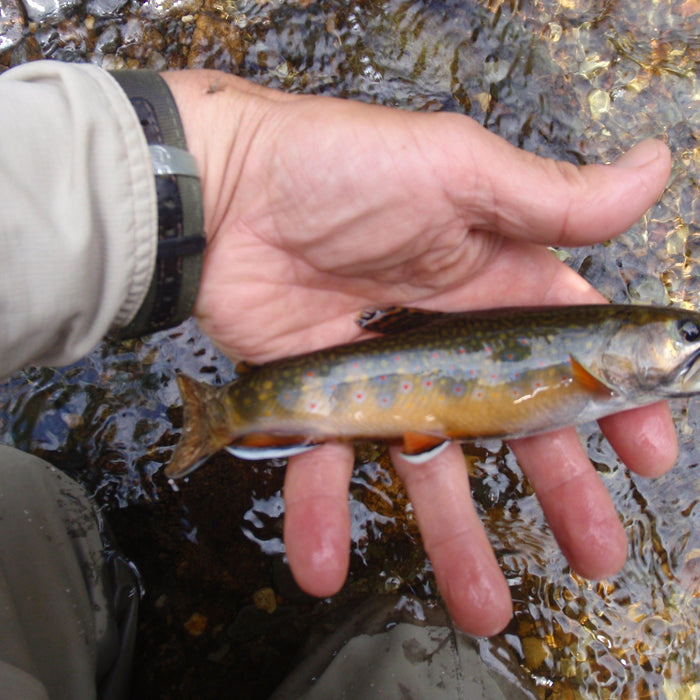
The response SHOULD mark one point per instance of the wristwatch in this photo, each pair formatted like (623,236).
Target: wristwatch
(181,238)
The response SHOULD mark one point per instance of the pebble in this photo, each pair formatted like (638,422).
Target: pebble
(44,10)
(163,9)
(598,102)
(536,652)
(104,8)
(11,24)
(196,624)
(265,599)
(108,41)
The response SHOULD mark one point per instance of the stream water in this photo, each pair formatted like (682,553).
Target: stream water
(578,80)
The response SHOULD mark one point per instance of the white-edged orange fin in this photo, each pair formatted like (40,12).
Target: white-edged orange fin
(271,440)
(419,447)
(423,457)
(270,451)
(587,379)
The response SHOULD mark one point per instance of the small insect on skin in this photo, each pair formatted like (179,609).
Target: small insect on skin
(435,377)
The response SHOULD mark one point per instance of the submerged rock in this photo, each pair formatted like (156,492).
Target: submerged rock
(11,24)
(104,8)
(43,10)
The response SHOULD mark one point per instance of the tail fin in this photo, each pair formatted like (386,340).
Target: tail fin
(202,430)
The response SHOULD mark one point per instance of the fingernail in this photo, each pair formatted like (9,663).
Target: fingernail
(640,155)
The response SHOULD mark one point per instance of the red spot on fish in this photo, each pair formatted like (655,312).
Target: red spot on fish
(436,355)
(457,389)
(462,351)
(510,355)
(428,383)
(397,358)
(479,394)
(355,365)
(472,372)
(406,386)
(312,406)
(516,375)
(494,376)
(359,396)
(382,378)
(309,374)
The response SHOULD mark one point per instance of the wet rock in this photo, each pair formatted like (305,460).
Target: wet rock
(44,10)
(219,655)
(108,41)
(646,289)
(27,50)
(104,8)
(162,9)
(536,652)
(251,623)
(156,61)
(11,24)
(216,44)
(196,624)
(265,599)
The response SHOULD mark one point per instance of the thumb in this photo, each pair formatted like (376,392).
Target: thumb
(552,202)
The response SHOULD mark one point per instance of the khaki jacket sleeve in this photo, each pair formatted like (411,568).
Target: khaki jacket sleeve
(78,216)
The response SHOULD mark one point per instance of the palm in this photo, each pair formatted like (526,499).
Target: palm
(320,208)
(335,229)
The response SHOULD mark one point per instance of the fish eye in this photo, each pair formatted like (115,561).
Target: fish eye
(689,330)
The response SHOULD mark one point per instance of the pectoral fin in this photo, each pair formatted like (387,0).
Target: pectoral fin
(587,379)
(419,448)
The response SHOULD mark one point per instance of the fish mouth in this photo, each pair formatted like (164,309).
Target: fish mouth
(690,379)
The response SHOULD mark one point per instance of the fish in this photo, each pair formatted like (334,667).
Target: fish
(428,378)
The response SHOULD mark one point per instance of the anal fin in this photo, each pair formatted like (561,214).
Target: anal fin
(259,446)
(419,447)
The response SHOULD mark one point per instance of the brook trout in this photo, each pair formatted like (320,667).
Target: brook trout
(435,377)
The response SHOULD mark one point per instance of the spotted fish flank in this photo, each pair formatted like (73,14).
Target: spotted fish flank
(435,377)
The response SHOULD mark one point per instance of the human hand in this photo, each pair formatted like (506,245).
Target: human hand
(318,208)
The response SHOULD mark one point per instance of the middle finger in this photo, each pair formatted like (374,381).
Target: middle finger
(466,569)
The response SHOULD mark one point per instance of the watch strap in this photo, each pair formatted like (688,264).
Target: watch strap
(181,240)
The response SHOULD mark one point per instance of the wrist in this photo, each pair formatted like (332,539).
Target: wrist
(222,116)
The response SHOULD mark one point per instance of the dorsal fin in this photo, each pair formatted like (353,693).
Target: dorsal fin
(398,319)
(243,367)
